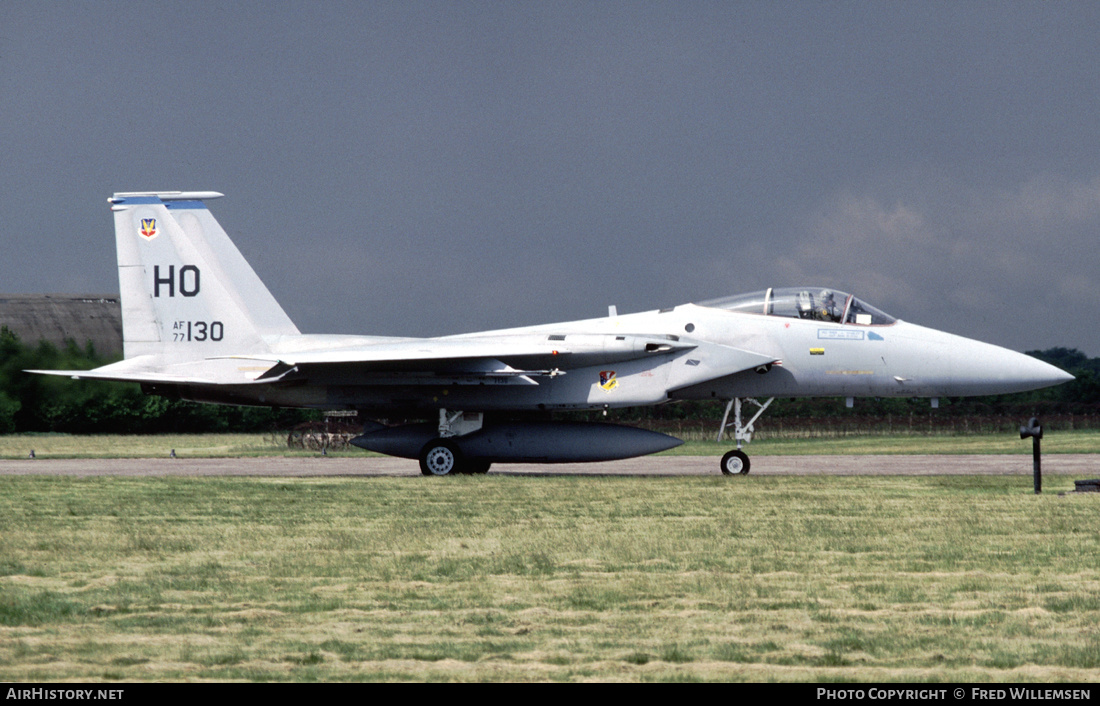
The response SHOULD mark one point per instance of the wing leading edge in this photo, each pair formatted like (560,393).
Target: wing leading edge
(513,360)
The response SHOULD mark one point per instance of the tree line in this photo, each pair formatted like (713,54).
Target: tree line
(47,403)
(39,403)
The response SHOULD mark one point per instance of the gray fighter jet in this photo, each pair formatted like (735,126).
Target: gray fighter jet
(198,324)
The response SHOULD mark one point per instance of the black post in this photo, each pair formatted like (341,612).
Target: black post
(1035,465)
(1035,431)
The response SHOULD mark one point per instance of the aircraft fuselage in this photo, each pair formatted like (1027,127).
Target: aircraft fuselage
(811,359)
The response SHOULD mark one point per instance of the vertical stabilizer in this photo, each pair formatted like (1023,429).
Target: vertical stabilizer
(187,292)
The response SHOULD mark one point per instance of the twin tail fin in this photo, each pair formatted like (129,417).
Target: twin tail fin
(187,292)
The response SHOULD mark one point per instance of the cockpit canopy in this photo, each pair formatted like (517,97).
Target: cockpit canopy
(816,303)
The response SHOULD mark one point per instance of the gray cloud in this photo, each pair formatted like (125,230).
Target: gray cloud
(435,167)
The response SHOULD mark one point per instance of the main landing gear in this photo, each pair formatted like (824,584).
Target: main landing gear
(736,461)
(443,457)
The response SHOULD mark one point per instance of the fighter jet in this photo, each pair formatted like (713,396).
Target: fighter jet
(198,324)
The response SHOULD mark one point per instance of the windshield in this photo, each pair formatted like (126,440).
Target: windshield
(816,303)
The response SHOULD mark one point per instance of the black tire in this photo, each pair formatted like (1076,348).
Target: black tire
(441,457)
(735,462)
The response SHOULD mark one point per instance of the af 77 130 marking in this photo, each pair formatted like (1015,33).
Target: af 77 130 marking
(198,331)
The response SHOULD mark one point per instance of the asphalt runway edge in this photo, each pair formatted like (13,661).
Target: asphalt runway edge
(374,466)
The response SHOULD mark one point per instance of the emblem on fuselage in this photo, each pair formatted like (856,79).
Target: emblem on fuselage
(608,381)
(149,228)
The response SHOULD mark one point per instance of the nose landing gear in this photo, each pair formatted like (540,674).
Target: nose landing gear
(736,461)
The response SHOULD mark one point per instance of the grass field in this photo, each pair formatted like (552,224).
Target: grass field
(252,445)
(547,578)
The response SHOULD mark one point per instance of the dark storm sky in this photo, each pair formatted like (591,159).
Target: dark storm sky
(422,168)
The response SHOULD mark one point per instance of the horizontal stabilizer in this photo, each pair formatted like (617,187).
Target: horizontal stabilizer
(124,377)
(147,369)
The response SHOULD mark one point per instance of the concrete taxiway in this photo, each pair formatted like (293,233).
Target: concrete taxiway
(1082,465)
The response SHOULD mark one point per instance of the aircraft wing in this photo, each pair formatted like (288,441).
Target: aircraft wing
(511,360)
(515,360)
(508,356)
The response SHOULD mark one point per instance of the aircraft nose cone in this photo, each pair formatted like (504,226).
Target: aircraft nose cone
(1037,374)
(1049,375)
(1019,372)
(953,365)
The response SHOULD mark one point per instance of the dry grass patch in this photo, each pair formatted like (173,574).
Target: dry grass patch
(556,578)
